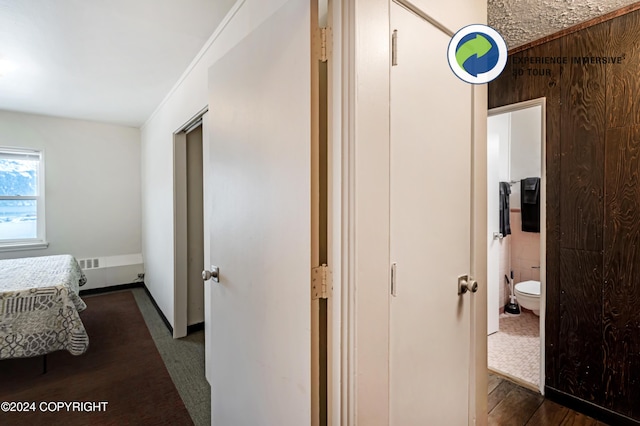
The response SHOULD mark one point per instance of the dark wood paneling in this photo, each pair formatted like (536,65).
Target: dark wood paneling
(501,90)
(593,308)
(582,136)
(623,84)
(622,272)
(551,90)
(580,360)
(604,415)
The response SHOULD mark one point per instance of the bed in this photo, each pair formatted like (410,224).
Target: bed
(40,305)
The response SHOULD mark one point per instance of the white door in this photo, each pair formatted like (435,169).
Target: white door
(259,179)
(207,205)
(430,225)
(494,282)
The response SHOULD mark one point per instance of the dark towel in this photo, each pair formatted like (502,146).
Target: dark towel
(505,223)
(530,204)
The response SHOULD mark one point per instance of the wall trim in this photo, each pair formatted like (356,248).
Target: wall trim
(223,24)
(101,290)
(578,27)
(155,305)
(109,289)
(346,96)
(588,408)
(519,106)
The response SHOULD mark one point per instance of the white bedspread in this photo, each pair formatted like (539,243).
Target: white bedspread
(39,306)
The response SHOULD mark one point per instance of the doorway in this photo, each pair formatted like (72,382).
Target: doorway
(189,250)
(516,242)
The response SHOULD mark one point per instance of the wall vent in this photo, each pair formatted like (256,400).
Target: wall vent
(89,263)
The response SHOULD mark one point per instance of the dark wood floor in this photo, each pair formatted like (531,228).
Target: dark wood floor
(513,405)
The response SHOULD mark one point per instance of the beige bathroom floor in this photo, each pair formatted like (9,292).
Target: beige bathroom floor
(515,349)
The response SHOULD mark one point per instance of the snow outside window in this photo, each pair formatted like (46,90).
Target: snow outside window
(21,199)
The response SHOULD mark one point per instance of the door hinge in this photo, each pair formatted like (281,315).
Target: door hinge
(323,43)
(321,282)
(394,48)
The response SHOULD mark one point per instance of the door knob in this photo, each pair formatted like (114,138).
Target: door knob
(214,274)
(465,283)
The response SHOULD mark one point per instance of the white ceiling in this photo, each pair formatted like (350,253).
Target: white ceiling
(104,60)
(115,60)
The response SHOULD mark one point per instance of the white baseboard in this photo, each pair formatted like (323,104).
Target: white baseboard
(114,270)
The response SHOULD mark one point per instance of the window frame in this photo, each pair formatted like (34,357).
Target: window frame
(40,241)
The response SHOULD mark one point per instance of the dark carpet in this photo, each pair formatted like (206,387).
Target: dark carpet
(121,367)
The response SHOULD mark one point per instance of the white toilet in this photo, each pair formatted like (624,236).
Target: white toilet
(528,295)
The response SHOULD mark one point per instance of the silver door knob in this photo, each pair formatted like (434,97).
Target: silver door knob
(465,283)
(214,274)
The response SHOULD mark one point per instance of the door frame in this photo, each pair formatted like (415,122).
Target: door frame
(365,29)
(542,103)
(179,172)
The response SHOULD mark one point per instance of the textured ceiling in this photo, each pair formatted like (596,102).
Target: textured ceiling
(523,21)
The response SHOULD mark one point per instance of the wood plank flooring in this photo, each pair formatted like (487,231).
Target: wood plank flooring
(513,405)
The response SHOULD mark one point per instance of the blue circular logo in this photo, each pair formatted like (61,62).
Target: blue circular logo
(477,54)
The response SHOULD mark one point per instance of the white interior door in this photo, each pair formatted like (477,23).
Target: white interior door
(430,225)
(259,179)
(207,205)
(493,225)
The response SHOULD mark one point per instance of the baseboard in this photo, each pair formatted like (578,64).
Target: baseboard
(155,305)
(106,270)
(100,290)
(589,408)
(92,291)
(195,327)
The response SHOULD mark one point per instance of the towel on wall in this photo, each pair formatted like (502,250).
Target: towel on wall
(505,223)
(530,204)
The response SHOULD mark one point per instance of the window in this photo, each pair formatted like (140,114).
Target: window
(21,199)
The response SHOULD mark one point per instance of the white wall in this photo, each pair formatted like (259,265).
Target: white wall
(187,98)
(526,148)
(92,183)
(498,145)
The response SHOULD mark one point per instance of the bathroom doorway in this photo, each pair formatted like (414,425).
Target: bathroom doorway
(516,244)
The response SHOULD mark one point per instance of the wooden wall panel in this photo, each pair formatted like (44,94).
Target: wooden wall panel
(593,211)
(551,90)
(623,82)
(580,324)
(501,91)
(583,132)
(622,272)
